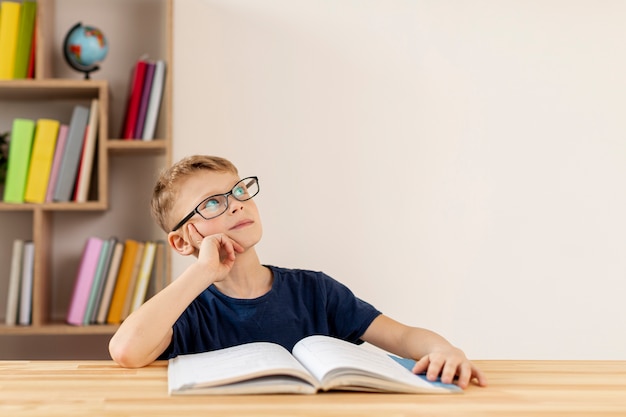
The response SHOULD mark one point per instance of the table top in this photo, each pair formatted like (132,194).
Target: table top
(516,388)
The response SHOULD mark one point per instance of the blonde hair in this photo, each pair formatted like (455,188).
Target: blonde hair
(165,191)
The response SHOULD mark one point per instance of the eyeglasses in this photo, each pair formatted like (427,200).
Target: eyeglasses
(217,204)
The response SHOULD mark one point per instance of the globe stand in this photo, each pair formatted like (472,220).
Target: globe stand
(75,65)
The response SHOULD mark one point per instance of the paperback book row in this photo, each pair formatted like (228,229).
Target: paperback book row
(52,161)
(144,100)
(113,279)
(17,39)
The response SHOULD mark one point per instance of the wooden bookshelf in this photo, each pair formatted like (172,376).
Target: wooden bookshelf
(55,89)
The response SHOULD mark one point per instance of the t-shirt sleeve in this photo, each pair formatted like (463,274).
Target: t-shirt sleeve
(349,316)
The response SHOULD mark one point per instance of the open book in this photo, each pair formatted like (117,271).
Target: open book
(318,363)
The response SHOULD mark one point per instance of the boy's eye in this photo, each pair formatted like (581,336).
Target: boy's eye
(211,205)
(239,191)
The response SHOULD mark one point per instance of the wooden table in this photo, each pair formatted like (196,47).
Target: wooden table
(517,388)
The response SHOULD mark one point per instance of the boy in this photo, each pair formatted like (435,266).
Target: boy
(227,297)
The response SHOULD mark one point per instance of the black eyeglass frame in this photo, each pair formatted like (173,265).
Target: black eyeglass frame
(225,195)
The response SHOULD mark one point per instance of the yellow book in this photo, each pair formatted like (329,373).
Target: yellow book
(9,28)
(143,279)
(44,144)
(133,280)
(124,275)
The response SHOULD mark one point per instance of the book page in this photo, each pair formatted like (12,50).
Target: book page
(232,365)
(340,364)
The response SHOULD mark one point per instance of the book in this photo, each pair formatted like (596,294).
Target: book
(30,72)
(56,162)
(84,280)
(114,315)
(154,105)
(103,257)
(46,133)
(9,28)
(15,278)
(143,277)
(158,280)
(26,29)
(316,364)
(109,285)
(145,99)
(22,135)
(99,291)
(87,155)
(132,284)
(26,284)
(71,154)
(134,99)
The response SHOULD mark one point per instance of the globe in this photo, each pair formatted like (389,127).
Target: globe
(84,48)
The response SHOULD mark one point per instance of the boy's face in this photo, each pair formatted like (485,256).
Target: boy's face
(241,221)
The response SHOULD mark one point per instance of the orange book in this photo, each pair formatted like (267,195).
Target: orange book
(122,284)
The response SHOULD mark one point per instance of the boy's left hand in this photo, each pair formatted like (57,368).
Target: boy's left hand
(450,363)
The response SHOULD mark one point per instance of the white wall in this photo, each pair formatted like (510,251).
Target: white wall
(459,164)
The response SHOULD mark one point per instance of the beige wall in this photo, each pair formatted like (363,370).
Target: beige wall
(459,164)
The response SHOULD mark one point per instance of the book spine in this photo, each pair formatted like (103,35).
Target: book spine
(154,106)
(109,286)
(145,99)
(13,292)
(89,149)
(97,279)
(9,28)
(134,99)
(71,154)
(22,135)
(56,163)
(26,284)
(46,133)
(127,263)
(24,39)
(84,281)
(133,280)
(143,279)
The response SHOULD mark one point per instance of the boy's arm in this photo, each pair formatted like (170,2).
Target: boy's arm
(434,354)
(147,332)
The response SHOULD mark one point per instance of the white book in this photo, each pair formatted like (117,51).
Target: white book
(317,363)
(26,287)
(15,278)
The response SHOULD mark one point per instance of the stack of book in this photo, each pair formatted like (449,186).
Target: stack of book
(17,38)
(144,100)
(51,161)
(114,278)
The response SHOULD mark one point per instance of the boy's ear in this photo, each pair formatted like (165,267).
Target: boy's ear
(180,244)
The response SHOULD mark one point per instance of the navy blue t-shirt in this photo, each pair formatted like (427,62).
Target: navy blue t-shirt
(300,303)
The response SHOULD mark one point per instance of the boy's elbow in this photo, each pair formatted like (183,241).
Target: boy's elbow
(123,355)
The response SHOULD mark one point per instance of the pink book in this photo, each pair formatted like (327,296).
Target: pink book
(56,162)
(84,280)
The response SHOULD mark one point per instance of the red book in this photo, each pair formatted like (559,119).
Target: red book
(134,100)
(30,72)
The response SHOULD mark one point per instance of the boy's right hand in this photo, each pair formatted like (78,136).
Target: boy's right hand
(216,253)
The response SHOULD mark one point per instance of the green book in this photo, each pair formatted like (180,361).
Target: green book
(22,134)
(25,33)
